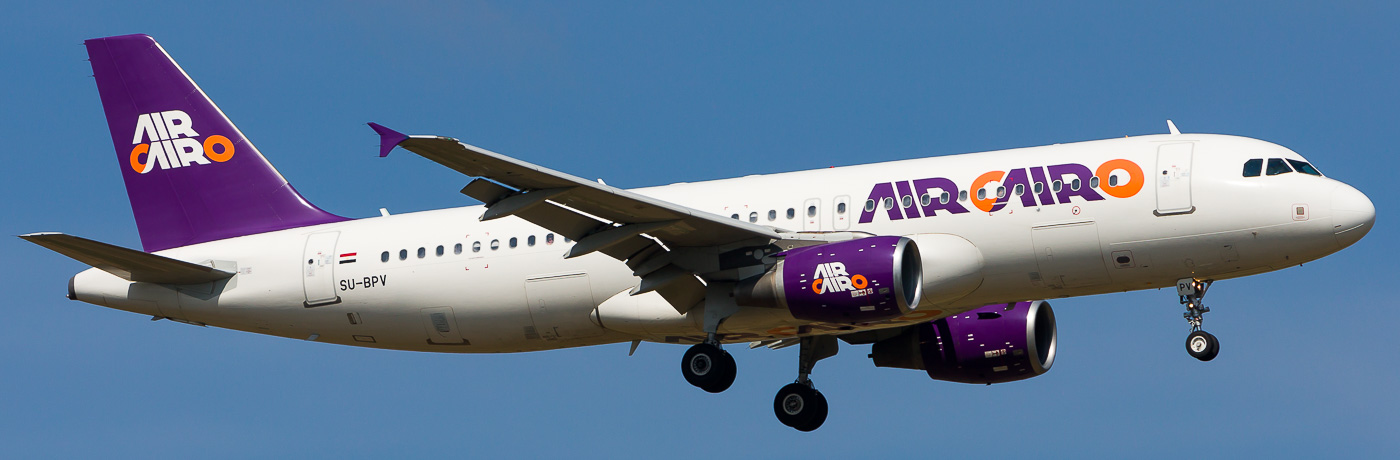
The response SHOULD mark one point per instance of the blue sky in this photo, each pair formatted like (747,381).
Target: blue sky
(644,94)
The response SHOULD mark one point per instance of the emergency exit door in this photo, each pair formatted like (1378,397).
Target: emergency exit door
(318,269)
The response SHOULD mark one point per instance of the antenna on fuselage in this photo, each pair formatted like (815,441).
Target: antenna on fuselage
(1172,127)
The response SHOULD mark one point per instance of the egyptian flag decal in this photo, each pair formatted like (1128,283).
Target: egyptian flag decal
(347,258)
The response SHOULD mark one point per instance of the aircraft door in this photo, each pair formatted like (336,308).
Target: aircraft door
(441,326)
(562,306)
(841,219)
(318,269)
(1069,255)
(1174,179)
(812,215)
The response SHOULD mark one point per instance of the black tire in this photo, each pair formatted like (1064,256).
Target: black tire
(819,410)
(799,406)
(708,367)
(1214,347)
(1201,345)
(727,369)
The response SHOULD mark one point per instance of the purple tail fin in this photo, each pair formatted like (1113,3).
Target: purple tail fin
(191,175)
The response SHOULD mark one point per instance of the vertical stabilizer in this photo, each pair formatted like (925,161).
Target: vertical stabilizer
(190,173)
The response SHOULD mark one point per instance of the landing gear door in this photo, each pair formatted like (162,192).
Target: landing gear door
(318,269)
(1174,179)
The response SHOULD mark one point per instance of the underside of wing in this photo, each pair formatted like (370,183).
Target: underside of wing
(640,230)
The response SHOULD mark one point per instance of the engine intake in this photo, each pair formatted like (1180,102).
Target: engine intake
(993,344)
(868,279)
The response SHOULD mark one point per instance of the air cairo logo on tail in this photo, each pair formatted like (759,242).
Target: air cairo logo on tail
(167,140)
(832,277)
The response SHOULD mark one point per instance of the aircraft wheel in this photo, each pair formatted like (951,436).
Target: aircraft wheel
(708,367)
(800,406)
(1202,345)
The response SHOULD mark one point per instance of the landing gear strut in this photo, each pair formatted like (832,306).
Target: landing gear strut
(1200,344)
(799,404)
(708,367)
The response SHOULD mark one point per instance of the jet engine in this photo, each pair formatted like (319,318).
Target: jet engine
(868,279)
(992,344)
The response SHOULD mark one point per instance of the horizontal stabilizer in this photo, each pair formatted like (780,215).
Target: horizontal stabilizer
(129,264)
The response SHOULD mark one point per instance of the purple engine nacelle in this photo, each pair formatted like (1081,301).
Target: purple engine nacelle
(868,279)
(992,344)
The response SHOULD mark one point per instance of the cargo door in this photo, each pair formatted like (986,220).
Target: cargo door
(318,269)
(562,306)
(1069,255)
(1174,179)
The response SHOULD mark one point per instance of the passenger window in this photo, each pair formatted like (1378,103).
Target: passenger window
(811,211)
(1039,187)
(888,202)
(384,257)
(440,250)
(513,242)
(1019,190)
(1094,181)
(962,195)
(422,252)
(1056,186)
(1074,185)
(403,254)
(943,199)
(981,193)
(476,246)
(734,216)
(549,238)
(753,216)
(869,205)
(907,201)
(791,213)
(772,215)
(495,244)
(1112,181)
(457,248)
(1304,167)
(1277,166)
(1001,192)
(530,241)
(1253,167)
(840,208)
(925,199)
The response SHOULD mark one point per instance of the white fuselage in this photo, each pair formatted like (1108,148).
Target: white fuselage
(1195,216)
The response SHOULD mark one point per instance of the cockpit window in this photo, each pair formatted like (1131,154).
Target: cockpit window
(1304,167)
(1277,166)
(1253,167)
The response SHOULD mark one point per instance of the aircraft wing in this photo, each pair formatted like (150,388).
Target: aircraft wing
(597,216)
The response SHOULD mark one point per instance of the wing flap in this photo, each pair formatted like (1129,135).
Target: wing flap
(129,264)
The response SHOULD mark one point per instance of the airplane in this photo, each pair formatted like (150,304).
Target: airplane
(940,264)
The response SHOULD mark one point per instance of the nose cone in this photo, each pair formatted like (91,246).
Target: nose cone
(1352,214)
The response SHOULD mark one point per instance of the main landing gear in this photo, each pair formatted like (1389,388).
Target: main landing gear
(708,367)
(798,405)
(1200,344)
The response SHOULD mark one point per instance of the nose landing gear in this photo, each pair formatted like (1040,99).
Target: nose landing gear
(1199,344)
